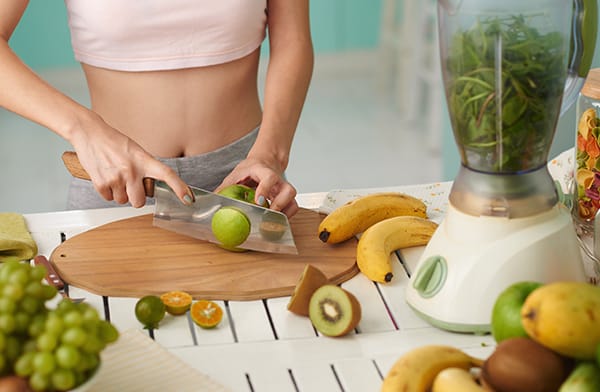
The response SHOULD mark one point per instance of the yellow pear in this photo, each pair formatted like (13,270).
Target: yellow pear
(565,317)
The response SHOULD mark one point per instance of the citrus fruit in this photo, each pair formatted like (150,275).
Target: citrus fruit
(176,302)
(206,314)
(506,313)
(230,226)
(149,311)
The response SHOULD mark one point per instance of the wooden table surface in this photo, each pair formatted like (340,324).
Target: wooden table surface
(260,346)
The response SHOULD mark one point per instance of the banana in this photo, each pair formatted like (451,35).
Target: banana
(455,379)
(416,370)
(357,215)
(378,242)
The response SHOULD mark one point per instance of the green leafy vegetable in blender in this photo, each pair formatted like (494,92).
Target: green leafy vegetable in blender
(505,85)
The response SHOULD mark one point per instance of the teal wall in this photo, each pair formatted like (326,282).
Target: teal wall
(42,38)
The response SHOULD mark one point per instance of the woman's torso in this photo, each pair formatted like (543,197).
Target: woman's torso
(177,101)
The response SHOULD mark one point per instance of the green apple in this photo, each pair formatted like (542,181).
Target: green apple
(506,314)
(241,192)
(230,226)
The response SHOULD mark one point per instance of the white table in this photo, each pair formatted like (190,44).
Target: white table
(260,346)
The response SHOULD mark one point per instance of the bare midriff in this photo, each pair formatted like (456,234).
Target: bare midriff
(181,112)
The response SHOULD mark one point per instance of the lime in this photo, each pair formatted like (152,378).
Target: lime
(176,302)
(149,311)
(230,226)
(206,314)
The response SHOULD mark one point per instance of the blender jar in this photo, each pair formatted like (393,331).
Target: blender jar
(506,68)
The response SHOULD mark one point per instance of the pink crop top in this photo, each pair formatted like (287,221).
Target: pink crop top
(145,35)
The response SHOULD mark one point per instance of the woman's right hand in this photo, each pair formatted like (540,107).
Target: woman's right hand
(117,165)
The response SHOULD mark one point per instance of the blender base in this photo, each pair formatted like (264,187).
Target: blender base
(470,260)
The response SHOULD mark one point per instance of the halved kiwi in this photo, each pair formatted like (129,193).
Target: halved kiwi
(311,279)
(334,311)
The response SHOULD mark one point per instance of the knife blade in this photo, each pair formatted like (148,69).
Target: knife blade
(195,220)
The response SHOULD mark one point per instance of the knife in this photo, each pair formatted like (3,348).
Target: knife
(53,278)
(195,220)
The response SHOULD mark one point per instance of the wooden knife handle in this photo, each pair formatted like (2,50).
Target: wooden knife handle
(74,167)
(51,275)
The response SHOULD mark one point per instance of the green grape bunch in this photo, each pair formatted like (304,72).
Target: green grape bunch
(55,349)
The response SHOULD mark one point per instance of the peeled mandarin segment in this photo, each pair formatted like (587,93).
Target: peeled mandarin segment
(176,302)
(206,314)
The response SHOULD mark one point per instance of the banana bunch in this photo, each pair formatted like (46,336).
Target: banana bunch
(418,369)
(357,215)
(378,242)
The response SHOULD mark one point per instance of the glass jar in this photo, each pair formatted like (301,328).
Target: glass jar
(586,174)
(586,203)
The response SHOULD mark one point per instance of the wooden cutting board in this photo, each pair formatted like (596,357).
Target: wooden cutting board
(132,258)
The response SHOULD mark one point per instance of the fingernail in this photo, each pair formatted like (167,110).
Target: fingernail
(187,199)
(261,200)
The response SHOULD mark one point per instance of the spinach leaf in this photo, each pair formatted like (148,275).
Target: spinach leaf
(504,110)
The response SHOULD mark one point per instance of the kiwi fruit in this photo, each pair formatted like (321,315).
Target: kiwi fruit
(333,310)
(520,364)
(311,279)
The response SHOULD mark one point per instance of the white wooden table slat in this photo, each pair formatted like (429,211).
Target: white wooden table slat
(174,331)
(271,378)
(122,313)
(46,241)
(250,321)
(394,295)
(358,375)
(374,315)
(95,300)
(316,377)
(287,324)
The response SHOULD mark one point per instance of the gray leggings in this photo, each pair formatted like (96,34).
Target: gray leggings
(205,171)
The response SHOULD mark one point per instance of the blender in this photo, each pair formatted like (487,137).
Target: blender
(510,69)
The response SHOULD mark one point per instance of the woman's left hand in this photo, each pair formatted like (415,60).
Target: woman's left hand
(269,183)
